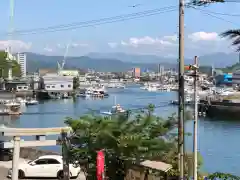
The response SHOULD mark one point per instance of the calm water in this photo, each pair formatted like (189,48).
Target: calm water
(218,140)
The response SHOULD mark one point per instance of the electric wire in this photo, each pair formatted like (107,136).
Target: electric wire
(97,22)
(216,13)
(214,16)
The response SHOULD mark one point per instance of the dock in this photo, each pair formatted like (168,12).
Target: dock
(220,108)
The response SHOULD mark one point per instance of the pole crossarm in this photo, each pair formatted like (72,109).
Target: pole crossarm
(33,131)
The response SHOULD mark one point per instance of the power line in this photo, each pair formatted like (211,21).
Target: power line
(217,13)
(78,25)
(214,16)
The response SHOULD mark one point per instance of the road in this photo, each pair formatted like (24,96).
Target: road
(4,166)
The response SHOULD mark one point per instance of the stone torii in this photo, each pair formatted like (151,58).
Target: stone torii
(40,140)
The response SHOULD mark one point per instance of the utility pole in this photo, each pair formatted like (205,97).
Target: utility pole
(65,157)
(181,92)
(195,135)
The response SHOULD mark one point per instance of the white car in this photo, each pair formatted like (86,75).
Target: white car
(45,166)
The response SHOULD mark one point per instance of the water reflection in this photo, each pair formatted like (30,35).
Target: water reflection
(9,121)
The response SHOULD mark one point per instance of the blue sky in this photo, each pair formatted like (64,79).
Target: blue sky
(145,35)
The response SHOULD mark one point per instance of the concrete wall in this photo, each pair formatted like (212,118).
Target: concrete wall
(34,153)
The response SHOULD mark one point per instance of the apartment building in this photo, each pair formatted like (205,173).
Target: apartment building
(22,61)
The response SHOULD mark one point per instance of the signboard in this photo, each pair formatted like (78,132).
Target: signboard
(187,68)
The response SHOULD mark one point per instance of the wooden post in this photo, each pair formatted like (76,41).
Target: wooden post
(66,175)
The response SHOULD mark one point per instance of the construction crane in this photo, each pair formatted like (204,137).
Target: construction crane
(61,65)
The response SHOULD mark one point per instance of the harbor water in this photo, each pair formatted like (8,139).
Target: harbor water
(218,140)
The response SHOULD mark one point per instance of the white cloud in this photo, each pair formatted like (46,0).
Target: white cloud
(171,38)
(83,45)
(204,36)
(112,44)
(147,40)
(16,45)
(123,43)
(72,45)
(48,49)
(195,43)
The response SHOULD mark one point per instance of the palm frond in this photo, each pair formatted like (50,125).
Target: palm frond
(205,2)
(233,33)
(235,36)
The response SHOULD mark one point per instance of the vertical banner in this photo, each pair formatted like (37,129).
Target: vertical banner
(100,165)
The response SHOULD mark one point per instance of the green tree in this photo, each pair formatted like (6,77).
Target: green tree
(224,176)
(126,139)
(4,66)
(76,82)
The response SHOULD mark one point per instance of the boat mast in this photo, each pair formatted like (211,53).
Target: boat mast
(115,100)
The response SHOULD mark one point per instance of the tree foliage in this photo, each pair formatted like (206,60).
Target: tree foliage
(126,139)
(222,176)
(206,2)
(76,82)
(234,35)
(4,66)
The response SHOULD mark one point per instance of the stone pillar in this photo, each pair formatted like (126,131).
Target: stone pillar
(15,161)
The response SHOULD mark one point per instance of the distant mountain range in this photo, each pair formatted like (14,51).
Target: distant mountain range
(122,62)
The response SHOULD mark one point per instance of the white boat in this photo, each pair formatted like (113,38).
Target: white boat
(31,102)
(11,103)
(115,109)
(152,88)
(21,101)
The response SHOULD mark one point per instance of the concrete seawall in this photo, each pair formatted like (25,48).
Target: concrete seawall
(33,153)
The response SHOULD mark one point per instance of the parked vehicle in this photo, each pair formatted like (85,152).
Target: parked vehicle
(49,166)
(6,154)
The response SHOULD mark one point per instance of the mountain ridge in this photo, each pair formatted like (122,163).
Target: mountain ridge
(122,62)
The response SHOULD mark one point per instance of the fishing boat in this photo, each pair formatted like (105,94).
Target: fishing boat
(21,101)
(115,109)
(94,92)
(31,102)
(10,108)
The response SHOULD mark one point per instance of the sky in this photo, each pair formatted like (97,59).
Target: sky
(156,34)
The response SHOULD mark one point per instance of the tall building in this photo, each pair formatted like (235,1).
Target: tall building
(160,70)
(136,72)
(22,61)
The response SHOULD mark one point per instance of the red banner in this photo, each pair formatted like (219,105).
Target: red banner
(100,165)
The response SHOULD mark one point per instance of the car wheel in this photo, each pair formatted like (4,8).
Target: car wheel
(60,175)
(21,174)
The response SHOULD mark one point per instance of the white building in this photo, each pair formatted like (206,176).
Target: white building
(22,61)
(54,82)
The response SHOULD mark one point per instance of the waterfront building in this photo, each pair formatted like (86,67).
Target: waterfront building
(54,82)
(22,61)
(226,79)
(74,73)
(43,72)
(17,85)
(236,77)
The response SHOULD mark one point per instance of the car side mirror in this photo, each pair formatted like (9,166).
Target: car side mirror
(32,164)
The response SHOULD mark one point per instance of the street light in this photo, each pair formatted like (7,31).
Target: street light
(195,68)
